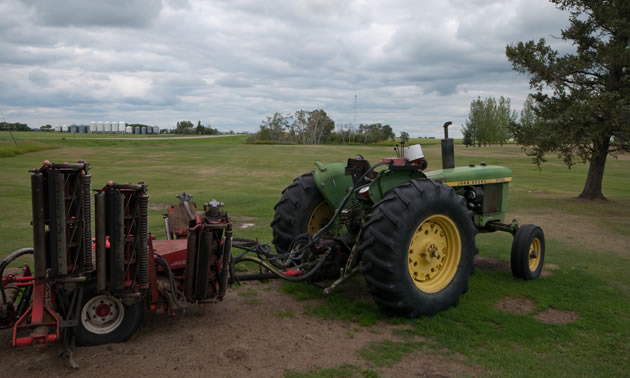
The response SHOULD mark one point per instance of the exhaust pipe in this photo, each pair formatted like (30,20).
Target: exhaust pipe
(448,151)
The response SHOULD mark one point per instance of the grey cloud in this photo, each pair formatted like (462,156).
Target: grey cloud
(39,78)
(412,64)
(116,13)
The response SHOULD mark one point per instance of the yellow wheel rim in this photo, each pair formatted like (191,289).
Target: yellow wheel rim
(534,254)
(434,253)
(319,217)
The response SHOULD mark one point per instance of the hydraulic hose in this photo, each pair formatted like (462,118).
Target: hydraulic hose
(335,215)
(176,293)
(266,259)
(344,201)
(278,273)
(8,260)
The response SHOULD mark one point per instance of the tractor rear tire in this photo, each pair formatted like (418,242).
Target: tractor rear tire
(417,249)
(301,209)
(105,319)
(528,252)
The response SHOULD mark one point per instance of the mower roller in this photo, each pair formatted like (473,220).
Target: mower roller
(95,290)
(410,232)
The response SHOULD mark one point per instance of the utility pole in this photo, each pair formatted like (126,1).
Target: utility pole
(355,111)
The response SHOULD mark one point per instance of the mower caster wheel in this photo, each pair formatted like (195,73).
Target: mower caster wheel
(105,319)
(528,252)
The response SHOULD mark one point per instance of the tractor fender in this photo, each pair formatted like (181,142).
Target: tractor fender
(332,182)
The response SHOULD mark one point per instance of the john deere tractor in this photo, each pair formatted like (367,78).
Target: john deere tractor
(410,232)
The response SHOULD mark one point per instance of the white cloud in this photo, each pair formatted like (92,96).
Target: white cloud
(412,64)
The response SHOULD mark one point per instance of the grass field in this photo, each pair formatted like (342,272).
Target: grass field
(589,242)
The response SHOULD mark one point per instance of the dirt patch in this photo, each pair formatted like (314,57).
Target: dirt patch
(238,337)
(490,263)
(496,265)
(620,156)
(581,231)
(162,207)
(422,364)
(553,316)
(516,305)
(243,222)
(206,171)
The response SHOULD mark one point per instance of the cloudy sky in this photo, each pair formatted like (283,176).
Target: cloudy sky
(412,64)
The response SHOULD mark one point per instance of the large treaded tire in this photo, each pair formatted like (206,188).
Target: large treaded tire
(385,242)
(293,211)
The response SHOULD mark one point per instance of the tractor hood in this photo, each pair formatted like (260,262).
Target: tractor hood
(471,175)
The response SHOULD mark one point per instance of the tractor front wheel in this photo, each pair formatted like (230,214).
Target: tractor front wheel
(106,319)
(418,249)
(528,252)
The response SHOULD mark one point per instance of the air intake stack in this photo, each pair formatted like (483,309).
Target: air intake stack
(448,151)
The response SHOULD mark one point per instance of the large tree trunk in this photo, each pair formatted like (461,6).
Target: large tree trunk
(593,186)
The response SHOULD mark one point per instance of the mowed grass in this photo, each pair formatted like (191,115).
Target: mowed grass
(588,241)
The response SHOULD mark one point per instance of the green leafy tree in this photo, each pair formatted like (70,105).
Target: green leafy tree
(184,127)
(525,130)
(375,132)
(274,128)
(314,127)
(467,136)
(488,122)
(582,99)
(404,137)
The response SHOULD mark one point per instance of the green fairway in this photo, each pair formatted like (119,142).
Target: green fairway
(587,242)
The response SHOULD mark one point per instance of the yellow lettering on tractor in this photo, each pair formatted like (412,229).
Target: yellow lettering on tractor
(478,182)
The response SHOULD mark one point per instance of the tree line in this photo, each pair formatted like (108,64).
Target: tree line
(16,126)
(187,127)
(316,127)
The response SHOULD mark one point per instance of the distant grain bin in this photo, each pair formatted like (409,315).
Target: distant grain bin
(92,127)
(121,126)
(129,130)
(156,130)
(99,126)
(114,126)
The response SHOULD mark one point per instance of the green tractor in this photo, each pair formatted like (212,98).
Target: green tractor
(411,233)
